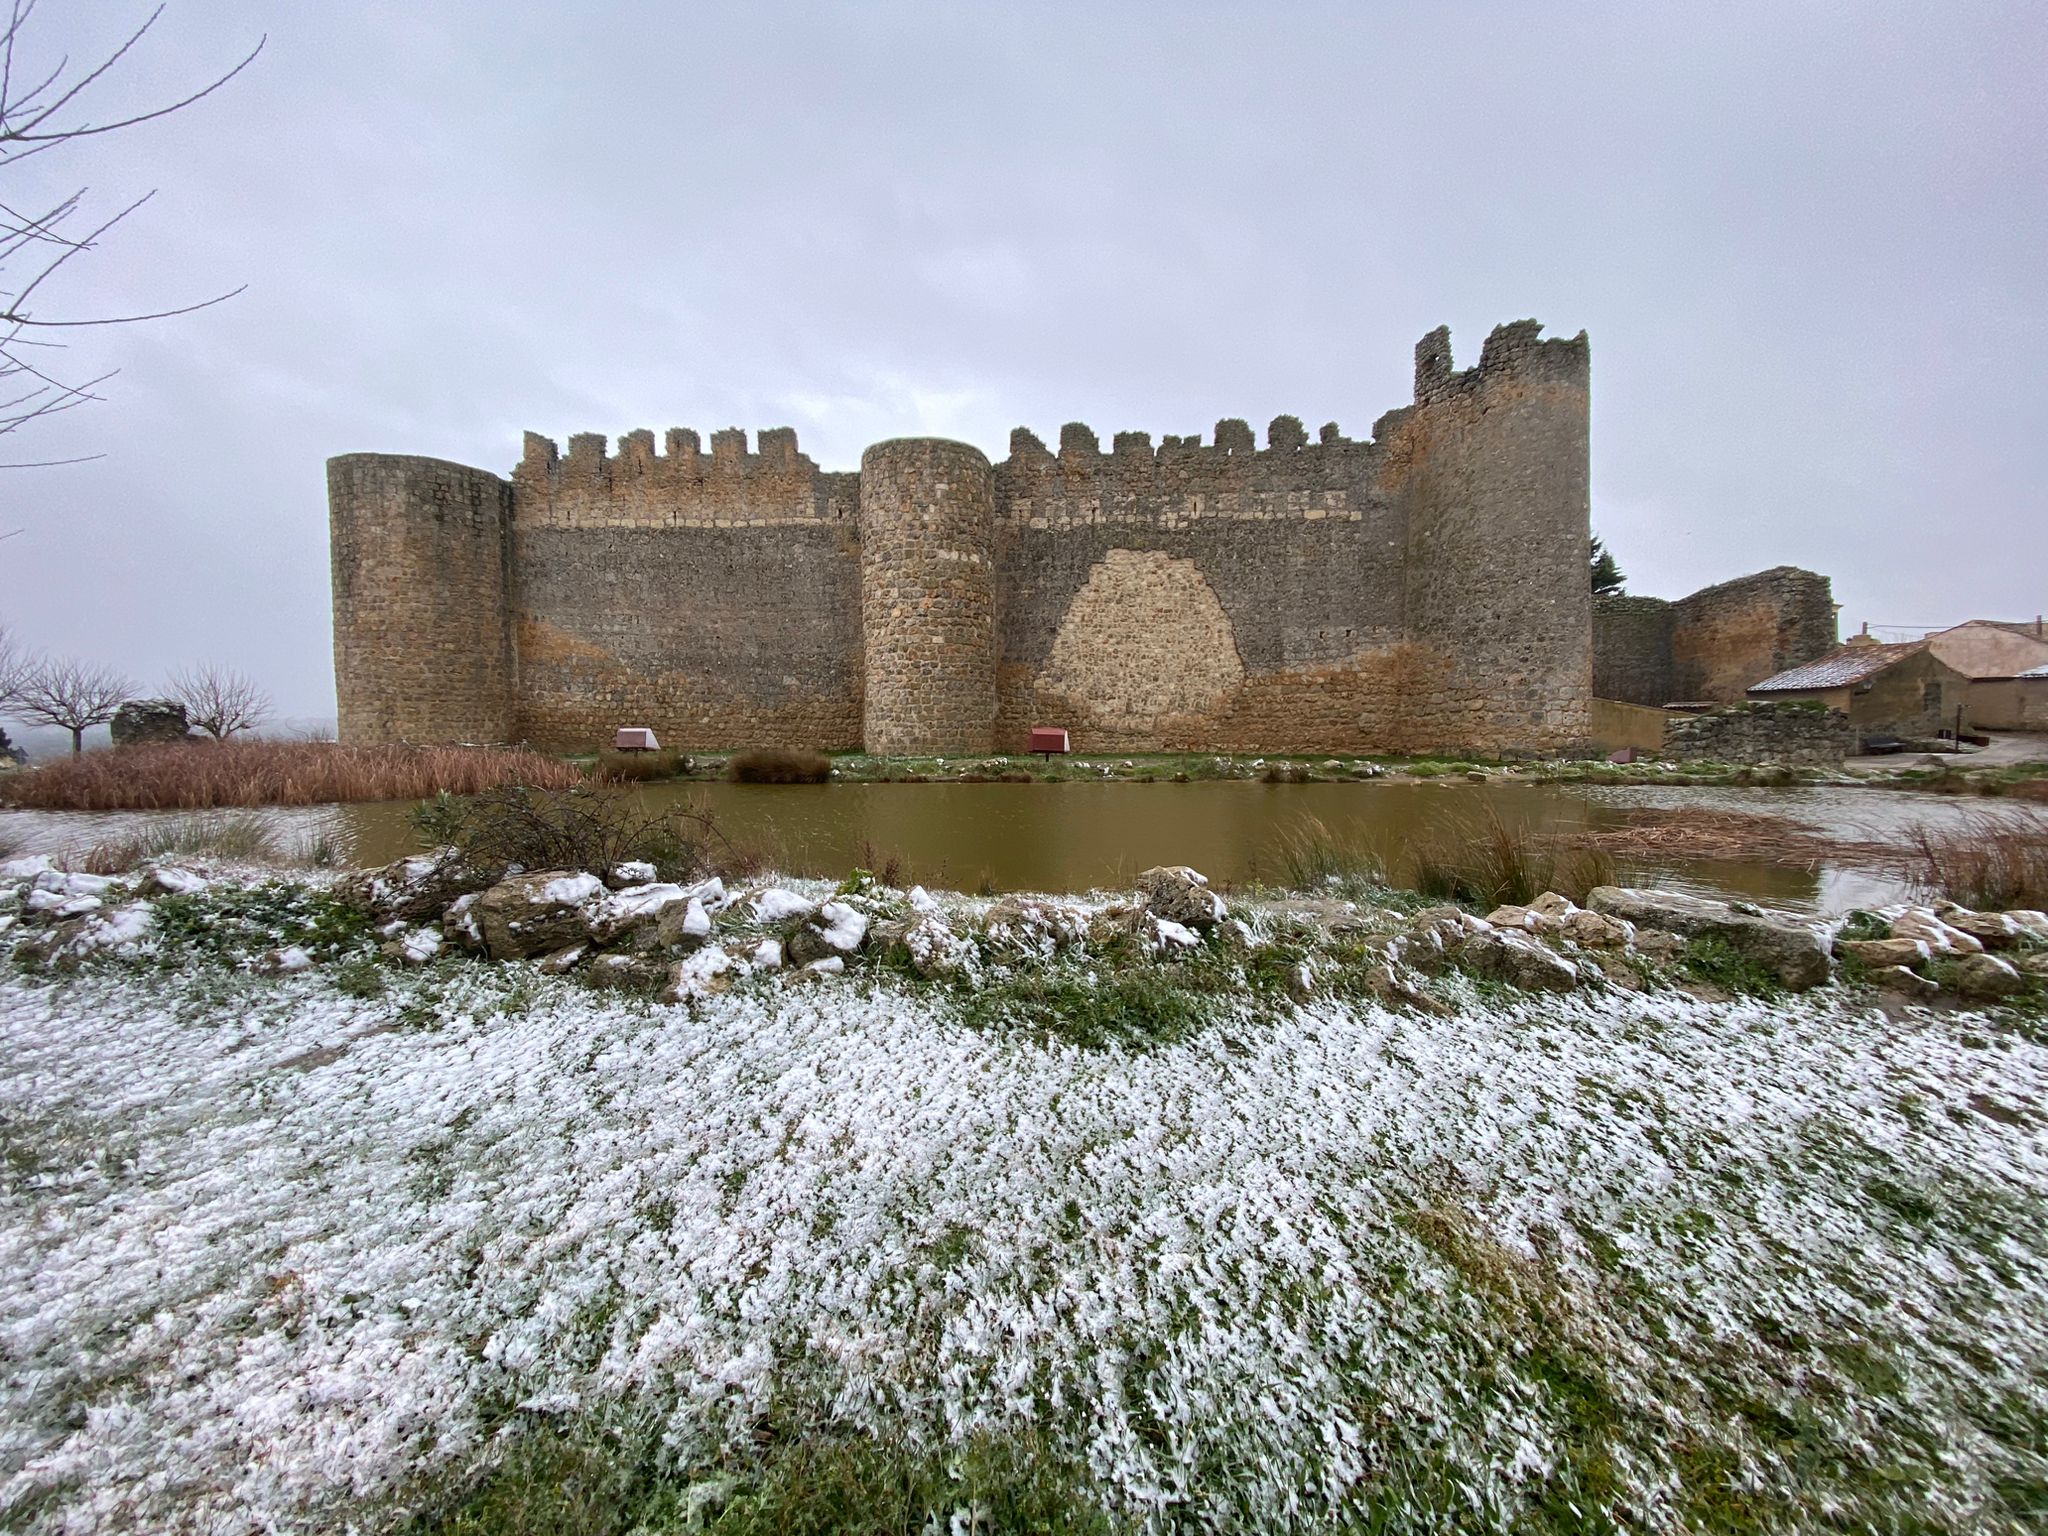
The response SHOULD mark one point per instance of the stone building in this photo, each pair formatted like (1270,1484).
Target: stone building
(1422,589)
(2007,667)
(1884,690)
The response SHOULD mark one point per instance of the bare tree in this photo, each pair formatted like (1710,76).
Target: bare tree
(219,700)
(72,695)
(13,663)
(43,110)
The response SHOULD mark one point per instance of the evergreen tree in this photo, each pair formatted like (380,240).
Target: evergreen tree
(1608,580)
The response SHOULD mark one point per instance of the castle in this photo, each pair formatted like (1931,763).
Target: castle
(1423,589)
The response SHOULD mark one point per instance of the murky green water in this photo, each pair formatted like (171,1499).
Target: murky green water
(1071,837)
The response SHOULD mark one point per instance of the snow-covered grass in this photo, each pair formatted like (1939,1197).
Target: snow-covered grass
(485,1250)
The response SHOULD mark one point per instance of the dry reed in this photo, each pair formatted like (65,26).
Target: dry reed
(1989,863)
(193,776)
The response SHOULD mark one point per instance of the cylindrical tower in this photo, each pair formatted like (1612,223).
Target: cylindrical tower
(422,633)
(1493,468)
(928,612)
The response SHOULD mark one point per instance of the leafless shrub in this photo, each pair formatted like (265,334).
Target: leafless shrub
(589,828)
(219,700)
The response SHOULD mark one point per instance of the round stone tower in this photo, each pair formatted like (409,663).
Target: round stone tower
(422,638)
(927,517)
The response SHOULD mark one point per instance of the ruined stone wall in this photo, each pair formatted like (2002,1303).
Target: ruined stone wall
(420,554)
(1793,734)
(1727,638)
(1493,466)
(1632,650)
(927,510)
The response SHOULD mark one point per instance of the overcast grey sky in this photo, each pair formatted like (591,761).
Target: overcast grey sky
(1807,241)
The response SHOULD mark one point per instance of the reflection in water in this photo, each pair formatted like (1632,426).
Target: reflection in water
(1076,837)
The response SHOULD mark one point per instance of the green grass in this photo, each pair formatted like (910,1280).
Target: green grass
(229,925)
(1719,963)
(804,1479)
(1144,1005)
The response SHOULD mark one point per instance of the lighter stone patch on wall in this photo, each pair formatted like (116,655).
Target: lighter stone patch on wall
(1143,641)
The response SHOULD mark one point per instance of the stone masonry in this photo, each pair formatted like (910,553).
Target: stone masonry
(1421,589)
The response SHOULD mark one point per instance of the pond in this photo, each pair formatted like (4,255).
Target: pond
(1073,837)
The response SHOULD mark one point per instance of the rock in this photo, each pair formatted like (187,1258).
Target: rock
(534,914)
(935,949)
(836,930)
(922,901)
(683,925)
(1939,937)
(776,905)
(1512,917)
(145,722)
(621,914)
(414,888)
(623,972)
(2033,924)
(831,965)
(1619,972)
(1504,954)
(414,947)
(1994,930)
(1553,906)
(709,970)
(1983,978)
(2031,965)
(169,880)
(459,925)
(1901,982)
(1181,895)
(1032,929)
(1655,942)
(1888,953)
(1595,930)
(564,960)
(766,955)
(1792,952)
(632,872)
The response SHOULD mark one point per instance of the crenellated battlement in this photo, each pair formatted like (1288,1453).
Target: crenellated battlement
(682,484)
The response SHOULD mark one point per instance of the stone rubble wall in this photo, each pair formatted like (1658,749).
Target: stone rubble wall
(1729,637)
(1792,734)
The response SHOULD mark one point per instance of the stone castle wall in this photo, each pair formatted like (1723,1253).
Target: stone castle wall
(1422,589)
(1714,645)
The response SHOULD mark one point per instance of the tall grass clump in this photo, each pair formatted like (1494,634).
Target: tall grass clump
(778,765)
(1984,862)
(1313,858)
(248,839)
(636,767)
(1487,862)
(198,776)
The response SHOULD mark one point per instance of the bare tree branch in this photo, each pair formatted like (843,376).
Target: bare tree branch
(52,113)
(219,700)
(70,694)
